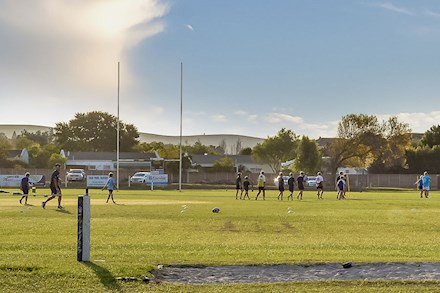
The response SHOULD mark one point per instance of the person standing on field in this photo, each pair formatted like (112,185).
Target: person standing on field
(261,185)
(55,187)
(280,186)
(246,184)
(341,175)
(340,187)
(238,185)
(291,184)
(319,185)
(419,184)
(300,181)
(24,186)
(426,182)
(110,185)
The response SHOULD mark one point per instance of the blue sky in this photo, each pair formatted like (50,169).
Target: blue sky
(251,67)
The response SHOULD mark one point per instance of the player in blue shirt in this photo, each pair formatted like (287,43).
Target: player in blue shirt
(426,182)
(110,185)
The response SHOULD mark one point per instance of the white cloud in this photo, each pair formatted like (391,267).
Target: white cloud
(391,7)
(219,118)
(279,117)
(433,14)
(61,44)
(419,122)
(241,113)
(247,116)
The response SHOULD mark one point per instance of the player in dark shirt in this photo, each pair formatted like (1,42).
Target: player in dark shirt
(291,184)
(238,185)
(24,186)
(300,181)
(55,187)
(246,184)
(280,186)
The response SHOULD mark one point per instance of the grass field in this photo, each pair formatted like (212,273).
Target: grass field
(147,228)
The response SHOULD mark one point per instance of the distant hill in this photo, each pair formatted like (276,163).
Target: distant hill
(8,130)
(230,140)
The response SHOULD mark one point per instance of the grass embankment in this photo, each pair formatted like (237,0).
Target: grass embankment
(147,228)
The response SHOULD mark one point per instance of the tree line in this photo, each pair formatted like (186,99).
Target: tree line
(362,141)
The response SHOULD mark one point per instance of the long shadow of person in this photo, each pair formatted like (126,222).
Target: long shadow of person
(63,211)
(104,276)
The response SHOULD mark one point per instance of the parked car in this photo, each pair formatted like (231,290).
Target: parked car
(139,177)
(76,175)
(311,180)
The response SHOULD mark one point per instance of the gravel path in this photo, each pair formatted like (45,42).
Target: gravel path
(292,273)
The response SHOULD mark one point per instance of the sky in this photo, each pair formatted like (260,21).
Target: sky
(250,67)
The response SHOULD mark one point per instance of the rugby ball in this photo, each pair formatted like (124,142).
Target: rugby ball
(215,210)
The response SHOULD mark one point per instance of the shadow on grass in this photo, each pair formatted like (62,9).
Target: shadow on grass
(104,276)
(63,211)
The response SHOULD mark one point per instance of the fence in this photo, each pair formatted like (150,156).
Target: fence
(357,182)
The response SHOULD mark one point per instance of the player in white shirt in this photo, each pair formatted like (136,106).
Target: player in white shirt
(320,185)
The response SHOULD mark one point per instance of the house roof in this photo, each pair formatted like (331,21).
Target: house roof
(14,153)
(324,141)
(109,156)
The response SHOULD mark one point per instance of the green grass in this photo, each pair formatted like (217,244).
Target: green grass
(38,246)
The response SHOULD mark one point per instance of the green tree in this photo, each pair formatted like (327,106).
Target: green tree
(199,149)
(431,137)
(423,159)
(95,131)
(24,143)
(224,164)
(5,145)
(308,158)
(56,158)
(246,151)
(276,149)
(396,140)
(364,141)
(359,137)
(42,138)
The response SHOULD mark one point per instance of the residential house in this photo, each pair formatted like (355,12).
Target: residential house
(21,155)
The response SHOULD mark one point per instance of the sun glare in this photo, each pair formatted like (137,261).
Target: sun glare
(110,19)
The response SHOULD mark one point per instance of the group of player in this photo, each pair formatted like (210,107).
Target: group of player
(242,186)
(423,184)
(55,187)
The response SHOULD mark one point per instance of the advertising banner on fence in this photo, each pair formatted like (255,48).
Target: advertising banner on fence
(15,180)
(96,180)
(157,179)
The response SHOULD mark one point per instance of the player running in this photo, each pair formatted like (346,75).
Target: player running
(55,187)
